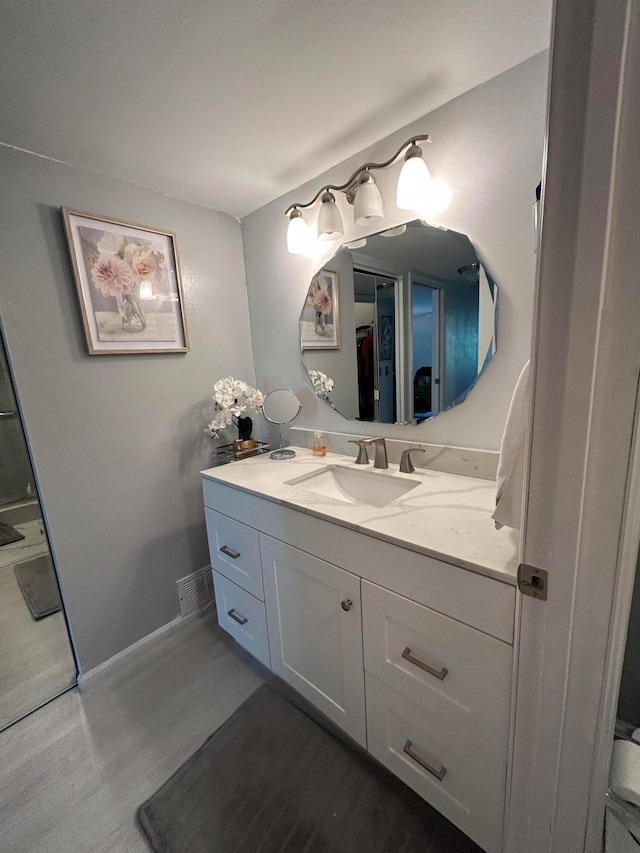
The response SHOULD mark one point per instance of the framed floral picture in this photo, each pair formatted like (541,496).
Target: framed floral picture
(320,320)
(128,282)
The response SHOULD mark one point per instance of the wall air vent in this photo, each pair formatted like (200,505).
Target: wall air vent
(195,591)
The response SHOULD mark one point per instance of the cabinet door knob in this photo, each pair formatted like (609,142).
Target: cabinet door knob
(347,604)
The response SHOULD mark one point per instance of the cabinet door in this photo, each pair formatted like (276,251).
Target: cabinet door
(315,632)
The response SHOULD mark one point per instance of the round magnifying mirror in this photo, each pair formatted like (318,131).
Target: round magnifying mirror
(281,408)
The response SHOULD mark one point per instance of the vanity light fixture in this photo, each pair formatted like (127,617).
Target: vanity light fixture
(414,183)
(330,226)
(413,193)
(367,206)
(299,237)
(470,272)
(394,232)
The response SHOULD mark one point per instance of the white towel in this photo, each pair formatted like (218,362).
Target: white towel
(510,477)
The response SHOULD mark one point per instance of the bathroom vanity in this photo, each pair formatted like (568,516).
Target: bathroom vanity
(393,615)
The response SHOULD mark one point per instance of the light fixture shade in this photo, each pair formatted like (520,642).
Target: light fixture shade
(368,202)
(394,232)
(298,234)
(414,184)
(330,226)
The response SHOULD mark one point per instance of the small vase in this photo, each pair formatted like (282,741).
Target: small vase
(320,324)
(245,425)
(244,443)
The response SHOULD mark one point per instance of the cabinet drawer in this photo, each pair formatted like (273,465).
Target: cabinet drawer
(437,662)
(242,616)
(464,782)
(234,551)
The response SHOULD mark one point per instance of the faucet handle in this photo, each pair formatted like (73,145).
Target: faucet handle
(363,456)
(380,459)
(406,465)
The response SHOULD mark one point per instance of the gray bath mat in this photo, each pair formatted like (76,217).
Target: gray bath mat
(9,534)
(38,584)
(271,780)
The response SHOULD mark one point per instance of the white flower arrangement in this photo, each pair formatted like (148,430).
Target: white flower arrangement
(322,383)
(232,397)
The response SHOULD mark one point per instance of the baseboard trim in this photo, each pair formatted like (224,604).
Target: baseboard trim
(177,624)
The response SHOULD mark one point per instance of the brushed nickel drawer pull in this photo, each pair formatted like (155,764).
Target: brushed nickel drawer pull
(439,774)
(229,552)
(241,620)
(440,674)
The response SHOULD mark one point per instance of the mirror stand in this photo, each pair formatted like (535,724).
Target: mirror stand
(281,408)
(282,452)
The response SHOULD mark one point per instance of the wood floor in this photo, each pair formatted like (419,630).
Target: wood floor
(73,773)
(36,661)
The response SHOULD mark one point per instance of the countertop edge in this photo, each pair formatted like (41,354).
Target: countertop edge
(495,574)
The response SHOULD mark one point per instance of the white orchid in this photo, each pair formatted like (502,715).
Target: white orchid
(219,422)
(322,383)
(255,399)
(232,397)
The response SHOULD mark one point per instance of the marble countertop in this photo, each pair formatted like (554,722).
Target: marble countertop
(447,516)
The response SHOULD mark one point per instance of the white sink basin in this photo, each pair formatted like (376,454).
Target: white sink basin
(354,485)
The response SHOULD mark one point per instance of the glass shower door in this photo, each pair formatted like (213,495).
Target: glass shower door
(36,660)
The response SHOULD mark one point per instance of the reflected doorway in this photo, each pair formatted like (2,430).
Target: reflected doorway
(375,307)
(427,308)
(36,659)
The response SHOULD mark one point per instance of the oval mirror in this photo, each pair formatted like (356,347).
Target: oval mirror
(281,407)
(398,327)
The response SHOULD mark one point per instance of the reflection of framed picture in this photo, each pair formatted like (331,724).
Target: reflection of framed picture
(128,283)
(320,320)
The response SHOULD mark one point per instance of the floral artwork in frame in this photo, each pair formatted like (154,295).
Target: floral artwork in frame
(320,321)
(128,282)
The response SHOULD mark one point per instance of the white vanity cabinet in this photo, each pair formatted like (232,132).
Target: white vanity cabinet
(315,632)
(409,655)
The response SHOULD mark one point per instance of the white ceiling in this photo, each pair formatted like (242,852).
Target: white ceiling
(231,103)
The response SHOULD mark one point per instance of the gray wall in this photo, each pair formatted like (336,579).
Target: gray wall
(117,441)
(488,146)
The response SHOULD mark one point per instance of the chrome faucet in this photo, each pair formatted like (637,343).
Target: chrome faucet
(363,456)
(406,465)
(380,459)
